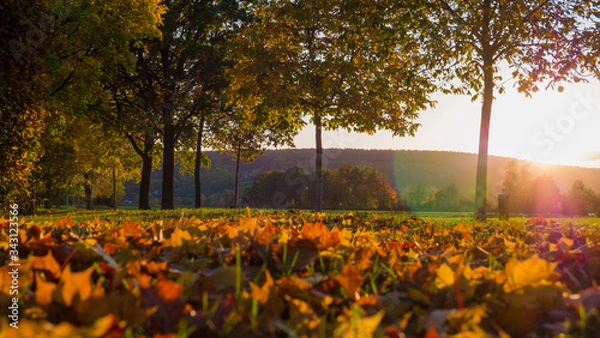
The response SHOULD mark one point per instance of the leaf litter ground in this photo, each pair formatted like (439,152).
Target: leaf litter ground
(303,274)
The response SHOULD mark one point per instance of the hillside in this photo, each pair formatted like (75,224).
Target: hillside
(402,167)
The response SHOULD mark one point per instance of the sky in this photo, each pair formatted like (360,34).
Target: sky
(551,127)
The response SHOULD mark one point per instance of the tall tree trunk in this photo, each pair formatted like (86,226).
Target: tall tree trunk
(88,188)
(144,198)
(484,134)
(168,188)
(237,174)
(198,166)
(319,163)
(146,174)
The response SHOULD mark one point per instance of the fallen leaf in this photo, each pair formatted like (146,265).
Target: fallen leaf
(528,272)
(73,284)
(43,291)
(177,238)
(350,280)
(444,277)
(363,327)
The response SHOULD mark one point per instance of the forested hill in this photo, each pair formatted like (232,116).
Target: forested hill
(405,167)
(402,167)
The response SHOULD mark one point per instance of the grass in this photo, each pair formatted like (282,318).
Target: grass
(391,218)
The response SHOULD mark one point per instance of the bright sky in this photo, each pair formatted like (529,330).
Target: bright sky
(550,127)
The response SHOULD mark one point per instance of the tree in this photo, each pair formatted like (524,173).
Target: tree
(449,199)
(53,54)
(125,114)
(343,64)
(175,73)
(470,40)
(23,40)
(349,187)
(246,134)
(517,185)
(360,187)
(580,200)
(279,189)
(417,195)
(78,151)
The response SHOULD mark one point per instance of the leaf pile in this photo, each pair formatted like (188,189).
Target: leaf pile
(303,275)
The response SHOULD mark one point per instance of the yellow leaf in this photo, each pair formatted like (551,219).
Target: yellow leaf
(364,327)
(283,236)
(101,326)
(444,277)
(531,271)
(177,238)
(248,225)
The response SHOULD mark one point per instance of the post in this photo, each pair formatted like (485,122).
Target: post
(503,206)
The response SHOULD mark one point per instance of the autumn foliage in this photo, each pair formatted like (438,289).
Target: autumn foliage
(304,274)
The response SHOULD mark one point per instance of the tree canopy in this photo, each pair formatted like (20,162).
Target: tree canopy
(468,43)
(342,64)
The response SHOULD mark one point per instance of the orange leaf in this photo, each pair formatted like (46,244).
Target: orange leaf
(267,295)
(110,248)
(313,230)
(293,286)
(264,235)
(350,279)
(131,229)
(362,258)
(43,291)
(319,233)
(329,240)
(167,290)
(431,333)
(177,238)
(65,222)
(73,284)
(154,268)
(47,263)
(248,225)
(261,294)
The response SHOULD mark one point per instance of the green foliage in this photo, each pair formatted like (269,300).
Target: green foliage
(348,188)
(79,152)
(350,65)
(421,196)
(339,61)
(178,78)
(581,200)
(90,42)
